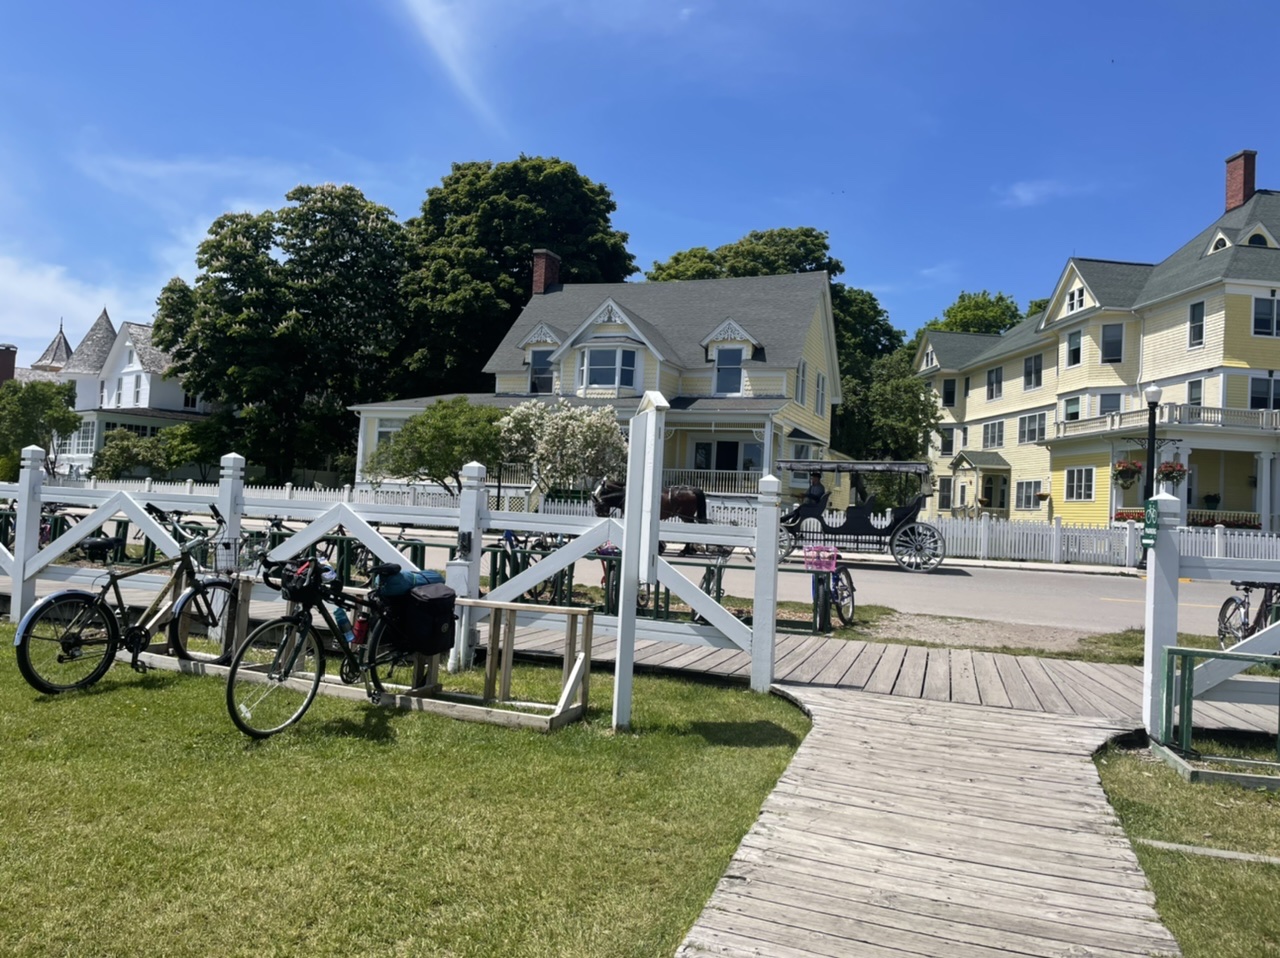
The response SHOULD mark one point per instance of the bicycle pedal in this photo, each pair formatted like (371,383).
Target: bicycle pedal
(141,667)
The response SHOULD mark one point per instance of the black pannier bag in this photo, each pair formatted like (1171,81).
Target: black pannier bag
(423,620)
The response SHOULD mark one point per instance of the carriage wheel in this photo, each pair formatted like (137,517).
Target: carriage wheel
(918,547)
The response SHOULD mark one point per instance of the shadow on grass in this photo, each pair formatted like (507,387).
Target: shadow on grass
(151,681)
(373,723)
(757,734)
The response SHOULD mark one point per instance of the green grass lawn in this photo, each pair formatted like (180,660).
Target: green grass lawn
(138,821)
(1215,908)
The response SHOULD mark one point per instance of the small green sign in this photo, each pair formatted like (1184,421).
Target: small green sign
(1151,525)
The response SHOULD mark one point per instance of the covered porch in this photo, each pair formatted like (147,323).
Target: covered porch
(980,484)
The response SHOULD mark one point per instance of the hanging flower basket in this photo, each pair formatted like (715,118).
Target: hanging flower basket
(1126,473)
(1171,472)
(1043,496)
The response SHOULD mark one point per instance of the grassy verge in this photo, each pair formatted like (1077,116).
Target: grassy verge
(1215,908)
(137,820)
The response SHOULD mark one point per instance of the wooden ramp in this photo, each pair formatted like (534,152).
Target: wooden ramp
(917,828)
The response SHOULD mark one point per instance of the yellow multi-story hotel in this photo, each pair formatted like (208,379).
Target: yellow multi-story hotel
(1035,420)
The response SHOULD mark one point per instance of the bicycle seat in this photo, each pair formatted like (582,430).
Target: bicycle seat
(98,547)
(385,569)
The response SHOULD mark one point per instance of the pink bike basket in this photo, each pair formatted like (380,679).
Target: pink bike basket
(820,558)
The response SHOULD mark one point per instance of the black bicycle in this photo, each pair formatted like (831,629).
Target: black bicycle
(278,669)
(1234,624)
(69,639)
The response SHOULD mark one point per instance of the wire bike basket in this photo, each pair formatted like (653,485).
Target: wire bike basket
(820,558)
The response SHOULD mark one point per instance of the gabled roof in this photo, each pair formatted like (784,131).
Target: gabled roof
(1194,265)
(676,316)
(957,350)
(979,460)
(1113,284)
(153,360)
(55,355)
(88,357)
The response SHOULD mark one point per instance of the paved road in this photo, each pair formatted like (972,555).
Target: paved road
(1097,603)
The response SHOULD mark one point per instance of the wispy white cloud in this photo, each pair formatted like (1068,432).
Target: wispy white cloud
(944,272)
(450,28)
(1026,193)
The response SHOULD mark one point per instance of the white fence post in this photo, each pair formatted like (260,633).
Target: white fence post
(1219,541)
(191,486)
(26,540)
(1162,610)
(1055,543)
(765,604)
(984,536)
(288,490)
(463,573)
(1131,553)
(231,495)
(346,492)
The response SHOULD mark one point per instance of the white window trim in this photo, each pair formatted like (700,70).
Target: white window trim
(1189,382)
(1040,385)
(551,369)
(1190,325)
(1102,332)
(1080,360)
(802,383)
(1041,421)
(1092,483)
(1275,333)
(617,385)
(819,393)
(1033,495)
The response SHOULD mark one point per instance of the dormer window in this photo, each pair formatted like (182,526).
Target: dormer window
(129,359)
(1257,239)
(729,370)
(1075,300)
(607,368)
(541,381)
(930,360)
(1219,243)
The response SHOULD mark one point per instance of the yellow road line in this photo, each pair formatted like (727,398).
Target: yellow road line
(1189,605)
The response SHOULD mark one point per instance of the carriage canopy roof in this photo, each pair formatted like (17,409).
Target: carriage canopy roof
(817,465)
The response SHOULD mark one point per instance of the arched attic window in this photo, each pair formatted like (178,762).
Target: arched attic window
(1220,243)
(1257,239)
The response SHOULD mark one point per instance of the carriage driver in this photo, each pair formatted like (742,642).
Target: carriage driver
(814,494)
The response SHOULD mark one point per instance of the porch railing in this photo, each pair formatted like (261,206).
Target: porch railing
(1171,414)
(716,481)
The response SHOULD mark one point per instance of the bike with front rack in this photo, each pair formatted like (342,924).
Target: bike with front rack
(69,639)
(277,671)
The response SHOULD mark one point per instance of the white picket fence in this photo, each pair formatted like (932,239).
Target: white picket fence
(1222,543)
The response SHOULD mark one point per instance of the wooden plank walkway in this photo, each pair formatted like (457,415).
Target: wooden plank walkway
(914,827)
(969,676)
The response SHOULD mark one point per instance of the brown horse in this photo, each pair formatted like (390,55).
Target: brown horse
(688,503)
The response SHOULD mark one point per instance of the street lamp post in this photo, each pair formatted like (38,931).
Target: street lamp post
(1152,396)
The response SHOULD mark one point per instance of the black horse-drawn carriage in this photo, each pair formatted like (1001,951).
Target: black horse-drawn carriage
(916,546)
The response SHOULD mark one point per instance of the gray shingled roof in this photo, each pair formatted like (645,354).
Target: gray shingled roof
(153,360)
(55,355)
(88,357)
(980,459)
(1192,266)
(1115,284)
(677,316)
(24,375)
(1020,337)
(958,350)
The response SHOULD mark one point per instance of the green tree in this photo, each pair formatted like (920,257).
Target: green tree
(862,328)
(124,451)
(978,313)
(471,255)
(35,414)
(1037,306)
(564,443)
(434,445)
(294,316)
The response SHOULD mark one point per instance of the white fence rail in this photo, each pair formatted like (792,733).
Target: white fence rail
(1222,543)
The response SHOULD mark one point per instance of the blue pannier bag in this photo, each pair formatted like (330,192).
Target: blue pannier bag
(403,582)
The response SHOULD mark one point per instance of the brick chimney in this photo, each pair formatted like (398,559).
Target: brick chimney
(8,362)
(546,271)
(1240,178)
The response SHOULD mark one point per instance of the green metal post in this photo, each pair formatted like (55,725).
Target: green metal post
(1184,712)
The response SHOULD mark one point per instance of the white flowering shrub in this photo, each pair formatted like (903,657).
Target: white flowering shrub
(564,443)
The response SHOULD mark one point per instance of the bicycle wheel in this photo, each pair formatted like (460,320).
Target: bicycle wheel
(842,596)
(274,677)
(1233,622)
(390,669)
(69,642)
(202,622)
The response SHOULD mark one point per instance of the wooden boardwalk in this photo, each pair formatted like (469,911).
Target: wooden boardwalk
(916,828)
(1024,683)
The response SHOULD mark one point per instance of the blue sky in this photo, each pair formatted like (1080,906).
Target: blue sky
(944,145)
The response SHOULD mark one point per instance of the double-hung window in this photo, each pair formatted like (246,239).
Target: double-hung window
(1027,495)
(119,391)
(820,394)
(948,392)
(1264,317)
(1075,299)
(728,370)
(993,435)
(137,389)
(387,429)
(189,401)
(1071,409)
(1264,393)
(944,492)
(1113,343)
(802,383)
(1031,428)
(102,393)
(1108,402)
(609,367)
(995,382)
(1195,325)
(540,378)
(1073,348)
(1080,484)
(948,444)
(1195,392)
(1033,371)
(84,438)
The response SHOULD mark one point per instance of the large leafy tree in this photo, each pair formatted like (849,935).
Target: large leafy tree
(471,253)
(979,313)
(35,414)
(434,445)
(293,317)
(862,328)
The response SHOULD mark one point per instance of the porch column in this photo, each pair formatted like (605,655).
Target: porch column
(766,468)
(1263,497)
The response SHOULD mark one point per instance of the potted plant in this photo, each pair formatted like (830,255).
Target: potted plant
(1211,500)
(1042,496)
(1171,472)
(1126,472)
